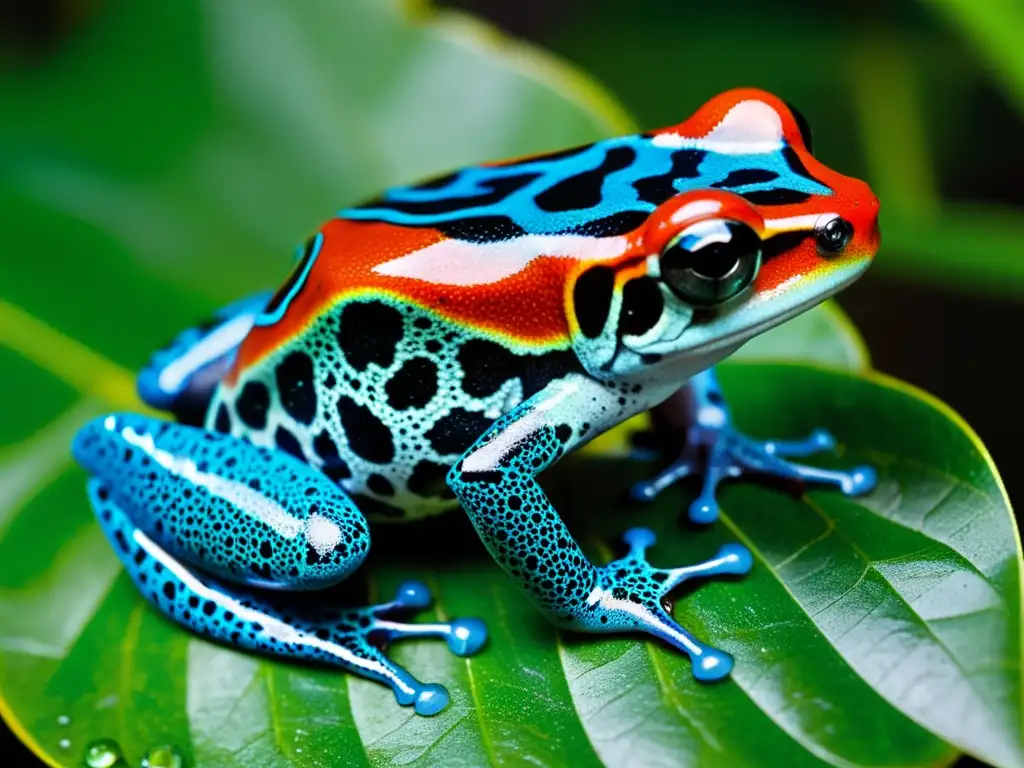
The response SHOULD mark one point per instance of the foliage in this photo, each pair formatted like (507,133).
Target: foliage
(876,631)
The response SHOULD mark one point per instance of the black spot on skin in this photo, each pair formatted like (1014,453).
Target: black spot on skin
(287,442)
(169,590)
(380,485)
(324,446)
(776,197)
(642,305)
(433,346)
(223,420)
(746,176)
(583,190)
(413,385)
(369,333)
(293,276)
(295,387)
(371,506)
(266,550)
(612,226)
(592,299)
(457,431)
(779,244)
(367,436)
(486,365)
(428,479)
(209,607)
(423,323)
(657,189)
(252,404)
(337,470)
(563,432)
(492,477)
(496,190)
(795,164)
(480,229)
(334,466)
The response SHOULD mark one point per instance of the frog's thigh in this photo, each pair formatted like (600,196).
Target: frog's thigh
(241,512)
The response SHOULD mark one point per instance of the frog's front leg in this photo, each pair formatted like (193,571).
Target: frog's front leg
(715,449)
(203,520)
(496,482)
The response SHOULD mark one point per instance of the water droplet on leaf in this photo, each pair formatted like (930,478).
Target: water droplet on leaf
(163,757)
(64,743)
(63,720)
(103,753)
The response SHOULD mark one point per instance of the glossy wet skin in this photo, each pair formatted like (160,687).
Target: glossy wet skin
(444,344)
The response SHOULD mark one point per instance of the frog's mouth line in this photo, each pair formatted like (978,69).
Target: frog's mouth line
(757,315)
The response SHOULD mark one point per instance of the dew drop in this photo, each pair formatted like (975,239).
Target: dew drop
(163,757)
(103,753)
(64,743)
(63,720)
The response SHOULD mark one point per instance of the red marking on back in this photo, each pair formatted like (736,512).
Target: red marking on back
(528,305)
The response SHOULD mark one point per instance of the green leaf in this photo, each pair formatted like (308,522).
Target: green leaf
(867,626)
(877,631)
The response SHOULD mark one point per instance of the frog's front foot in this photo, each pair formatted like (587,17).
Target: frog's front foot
(717,451)
(630,592)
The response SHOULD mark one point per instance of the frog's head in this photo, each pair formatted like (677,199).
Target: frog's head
(756,232)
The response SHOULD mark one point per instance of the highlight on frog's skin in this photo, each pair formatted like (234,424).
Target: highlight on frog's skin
(445,343)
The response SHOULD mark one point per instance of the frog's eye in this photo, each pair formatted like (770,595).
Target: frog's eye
(833,234)
(711,261)
(804,126)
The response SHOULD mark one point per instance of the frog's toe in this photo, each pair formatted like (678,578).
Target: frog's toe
(467,636)
(630,594)
(818,441)
(464,636)
(431,699)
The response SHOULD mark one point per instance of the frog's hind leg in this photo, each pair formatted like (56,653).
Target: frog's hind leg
(717,452)
(212,530)
(181,377)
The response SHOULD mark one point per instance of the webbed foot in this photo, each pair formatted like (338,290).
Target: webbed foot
(629,596)
(717,451)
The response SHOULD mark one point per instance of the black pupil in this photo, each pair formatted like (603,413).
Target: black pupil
(714,261)
(836,234)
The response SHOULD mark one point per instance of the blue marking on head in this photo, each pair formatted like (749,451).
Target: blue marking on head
(617,193)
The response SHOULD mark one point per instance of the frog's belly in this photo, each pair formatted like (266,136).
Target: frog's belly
(384,399)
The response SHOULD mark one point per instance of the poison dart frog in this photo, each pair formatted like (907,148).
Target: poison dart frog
(442,345)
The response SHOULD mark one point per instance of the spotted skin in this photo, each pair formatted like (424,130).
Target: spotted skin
(444,344)
(352,639)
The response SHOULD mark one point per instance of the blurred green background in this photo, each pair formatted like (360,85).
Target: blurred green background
(924,100)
